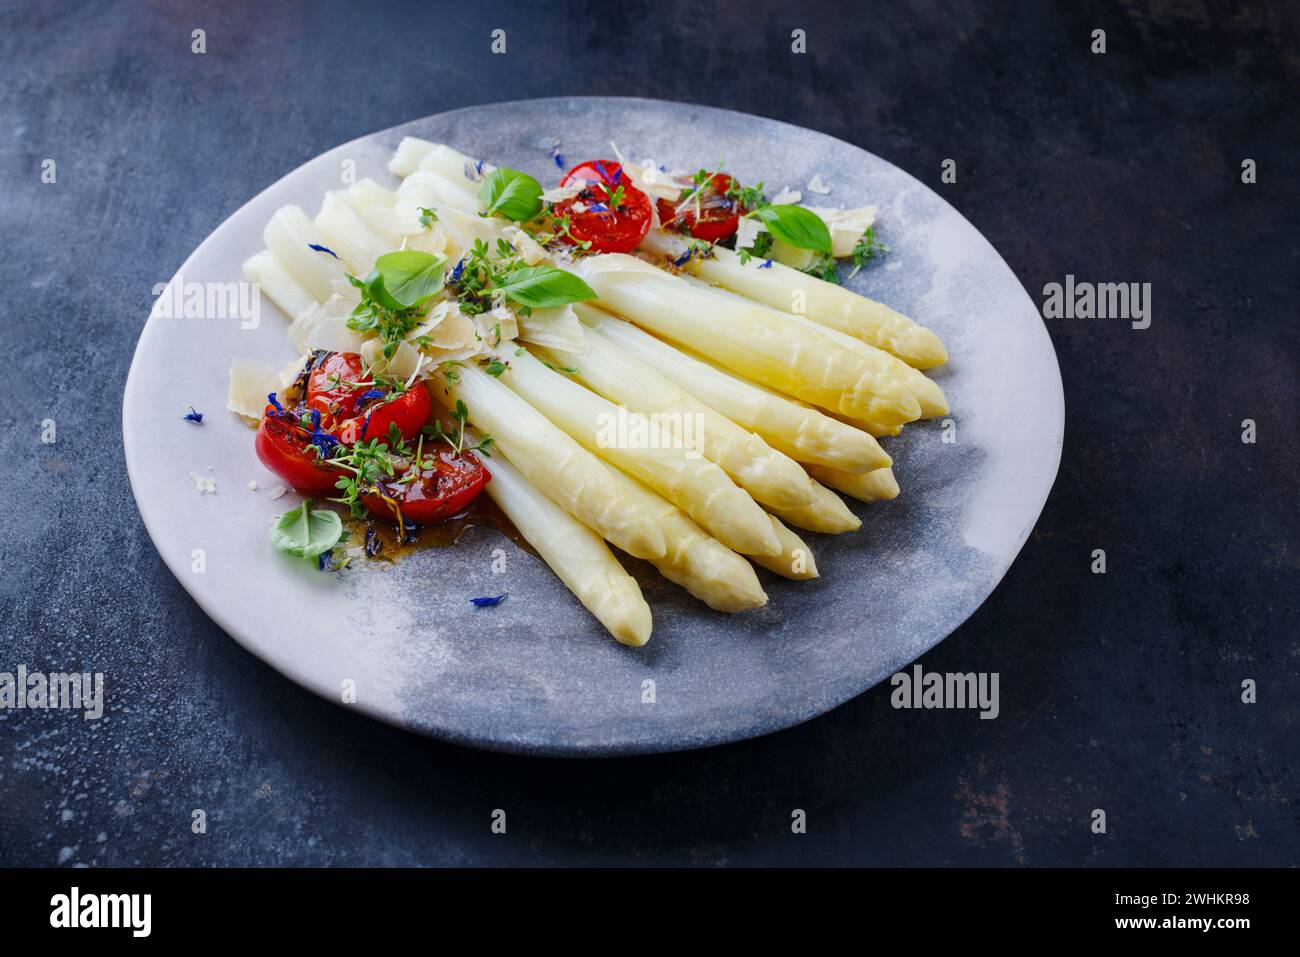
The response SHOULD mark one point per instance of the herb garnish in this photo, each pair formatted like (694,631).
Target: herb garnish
(306,532)
(795,226)
(482,274)
(867,249)
(393,296)
(511,194)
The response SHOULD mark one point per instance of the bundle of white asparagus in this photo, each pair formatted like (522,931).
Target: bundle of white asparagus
(686,416)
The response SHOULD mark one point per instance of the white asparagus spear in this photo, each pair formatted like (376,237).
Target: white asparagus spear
(464,229)
(575,553)
(366,192)
(784,288)
(769,476)
(877,486)
(748,338)
(281,288)
(426,188)
(464,172)
(407,156)
(697,561)
(565,472)
(290,235)
(796,559)
(635,444)
(828,514)
(928,394)
(348,235)
(798,430)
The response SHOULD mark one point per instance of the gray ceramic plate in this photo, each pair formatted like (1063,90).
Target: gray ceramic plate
(536,674)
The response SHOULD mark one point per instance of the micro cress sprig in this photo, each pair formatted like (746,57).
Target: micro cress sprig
(456,437)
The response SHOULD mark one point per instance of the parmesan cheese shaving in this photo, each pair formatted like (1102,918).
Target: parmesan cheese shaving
(846,226)
(556,328)
(251,380)
(205,485)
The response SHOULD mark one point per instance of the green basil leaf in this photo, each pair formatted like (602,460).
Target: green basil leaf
(544,287)
(406,278)
(512,194)
(305,532)
(796,226)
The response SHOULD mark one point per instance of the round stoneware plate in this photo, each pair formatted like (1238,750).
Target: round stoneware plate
(536,674)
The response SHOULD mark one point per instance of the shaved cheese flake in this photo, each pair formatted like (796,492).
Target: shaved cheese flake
(557,328)
(251,380)
(747,231)
(558,194)
(787,197)
(498,326)
(404,362)
(530,250)
(846,226)
(656,182)
(289,374)
(816,185)
(205,485)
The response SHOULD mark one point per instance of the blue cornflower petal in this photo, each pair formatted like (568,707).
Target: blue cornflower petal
(192,416)
(684,258)
(324,442)
(275,402)
(559,160)
(765,264)
(322,249)
(458,271)
(488,601)
(323,560)
(371,394)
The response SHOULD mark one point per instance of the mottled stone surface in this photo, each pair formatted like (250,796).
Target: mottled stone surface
(1119,692)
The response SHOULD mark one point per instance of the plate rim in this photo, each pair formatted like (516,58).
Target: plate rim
(522,745)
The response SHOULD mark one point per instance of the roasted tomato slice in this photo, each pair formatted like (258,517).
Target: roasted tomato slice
(285,448)
(714,217)
(437,487)
(335,386)
(354,408)
(610,213)
(409,412)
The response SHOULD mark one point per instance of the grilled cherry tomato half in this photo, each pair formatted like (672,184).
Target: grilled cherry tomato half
(284,448)
(610,220)
(437,487)
(409,412)
(352,408)
(714,218)
(336,385)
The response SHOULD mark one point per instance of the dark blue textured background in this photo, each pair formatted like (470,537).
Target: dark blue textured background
(1118,691)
